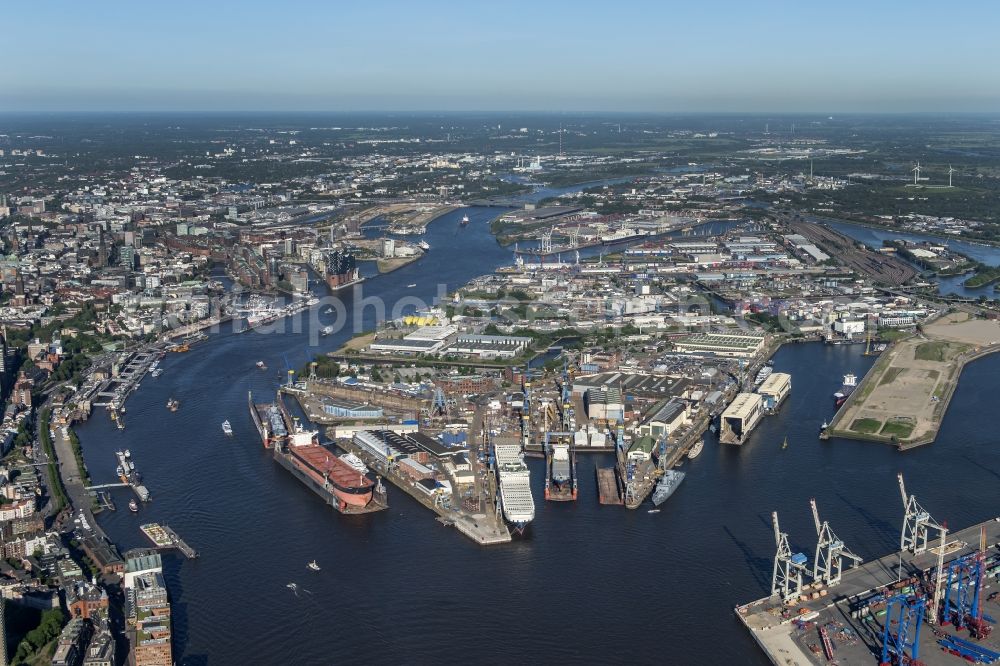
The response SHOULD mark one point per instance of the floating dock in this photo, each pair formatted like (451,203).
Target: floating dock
(848,618)
(607,486)
(165,539)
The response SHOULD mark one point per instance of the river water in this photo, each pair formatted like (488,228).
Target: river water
(591,584)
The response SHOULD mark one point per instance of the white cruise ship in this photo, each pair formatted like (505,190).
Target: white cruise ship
(515,488)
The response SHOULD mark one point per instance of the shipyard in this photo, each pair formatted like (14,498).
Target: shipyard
(522,354)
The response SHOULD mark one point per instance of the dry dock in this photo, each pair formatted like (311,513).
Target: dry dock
(852,612)
(486,529)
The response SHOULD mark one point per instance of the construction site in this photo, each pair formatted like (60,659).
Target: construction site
(930,603)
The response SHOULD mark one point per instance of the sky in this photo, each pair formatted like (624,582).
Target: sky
(554,56)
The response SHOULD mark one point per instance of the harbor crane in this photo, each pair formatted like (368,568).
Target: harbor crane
(830,551)
(916,523)
(786,580)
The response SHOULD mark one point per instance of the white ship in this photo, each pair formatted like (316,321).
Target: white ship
(515,489)
(622,235)
(424,245)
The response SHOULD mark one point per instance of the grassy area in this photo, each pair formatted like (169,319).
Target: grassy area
(55,481)
(867,426)
(890,375)
(897,428)
(892,334)
(933,351)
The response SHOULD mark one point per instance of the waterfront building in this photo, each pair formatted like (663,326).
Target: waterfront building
(775,389)
(740,417)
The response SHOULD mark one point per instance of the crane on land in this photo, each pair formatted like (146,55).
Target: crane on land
(830,551)
(786,579)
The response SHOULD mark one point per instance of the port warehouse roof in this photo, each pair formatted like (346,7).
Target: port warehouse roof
(397,445)
(721,344)
(645,386)
(666,412)
(645,444)
(742,406)
(776,384)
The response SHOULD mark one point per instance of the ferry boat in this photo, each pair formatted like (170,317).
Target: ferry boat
(133,506)
(666,486)
(424,245)
(515,488)
(227,428)
(850,383)
(696,450)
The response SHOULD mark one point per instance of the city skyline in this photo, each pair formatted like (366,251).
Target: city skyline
(560,57)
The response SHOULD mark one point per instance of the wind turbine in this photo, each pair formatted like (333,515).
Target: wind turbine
(916,173)
(950,171)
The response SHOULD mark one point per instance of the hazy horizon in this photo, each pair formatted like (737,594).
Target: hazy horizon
(521,57)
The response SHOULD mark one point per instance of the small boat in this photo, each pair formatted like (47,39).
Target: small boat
(784,444)
(312,565)
(172,405)
(326,330)
(128,453)
(133,506)
(226,428)
(118,471)
(465,221)
(261,366)
(328,311)
(696,450)
(424,245)
(653,511)
(411,285)
(824,426)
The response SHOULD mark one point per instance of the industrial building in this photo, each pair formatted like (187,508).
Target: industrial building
(638,385)
(740,417)
(665,419)
(349,409)
(730,345)
(604,404)
(424,340)
(489,346)
(775,389)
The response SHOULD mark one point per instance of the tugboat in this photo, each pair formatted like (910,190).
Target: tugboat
(133,506)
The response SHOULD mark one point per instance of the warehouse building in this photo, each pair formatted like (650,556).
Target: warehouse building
(740,418)
(730,345)
(774,390)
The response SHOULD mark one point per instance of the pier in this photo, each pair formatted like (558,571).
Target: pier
(910,605)
(485,528)
(166,539)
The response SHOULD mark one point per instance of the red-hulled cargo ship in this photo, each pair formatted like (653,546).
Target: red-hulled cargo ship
(339,484)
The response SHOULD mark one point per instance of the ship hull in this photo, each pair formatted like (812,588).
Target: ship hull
(330,495)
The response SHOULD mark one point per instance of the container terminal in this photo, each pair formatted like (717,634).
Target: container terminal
(931,603)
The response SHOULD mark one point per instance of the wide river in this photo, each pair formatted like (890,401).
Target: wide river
(592,584)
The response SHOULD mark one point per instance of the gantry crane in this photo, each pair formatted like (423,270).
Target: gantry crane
(830,551)
(786,580)
(916,523)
